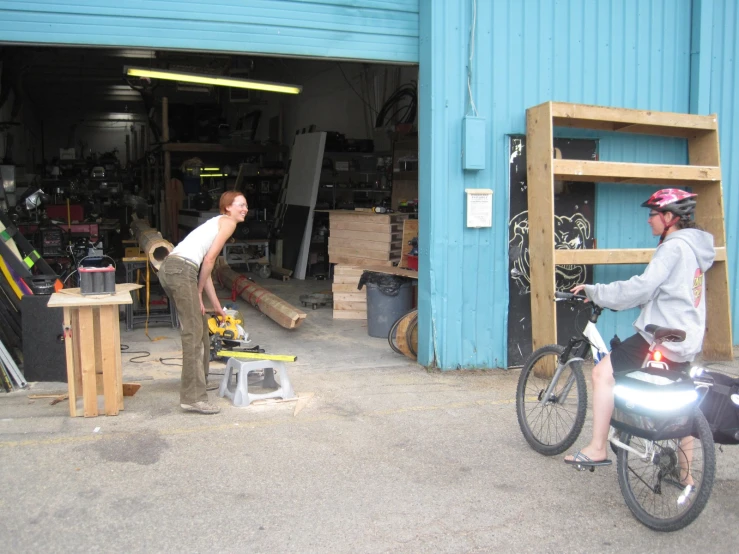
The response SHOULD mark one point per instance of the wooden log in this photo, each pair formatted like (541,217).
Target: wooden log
(271,305)
(151,242)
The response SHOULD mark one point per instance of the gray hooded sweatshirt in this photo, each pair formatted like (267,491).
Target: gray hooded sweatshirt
(671,292)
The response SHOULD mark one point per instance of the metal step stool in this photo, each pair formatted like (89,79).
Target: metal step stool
(240,394)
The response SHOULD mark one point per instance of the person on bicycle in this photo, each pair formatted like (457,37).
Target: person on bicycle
(670,292)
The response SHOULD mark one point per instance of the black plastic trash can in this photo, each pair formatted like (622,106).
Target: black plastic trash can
(388,298)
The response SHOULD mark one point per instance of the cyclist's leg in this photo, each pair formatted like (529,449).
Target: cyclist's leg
(685,457)
(603,383)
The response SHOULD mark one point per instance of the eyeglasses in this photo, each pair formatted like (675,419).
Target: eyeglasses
(653,214)
(240,205)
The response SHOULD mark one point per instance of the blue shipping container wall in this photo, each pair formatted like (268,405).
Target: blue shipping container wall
(376,30)
(721,54)
(624,53)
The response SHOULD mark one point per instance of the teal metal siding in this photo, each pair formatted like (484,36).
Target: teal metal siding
(375,30)
(626,53)
(721,58)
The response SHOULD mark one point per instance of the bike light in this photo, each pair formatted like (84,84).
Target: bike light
(657,356)
(735,399)
(696,371)
(662,401)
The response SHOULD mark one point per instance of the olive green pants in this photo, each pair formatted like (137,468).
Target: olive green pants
(179,278)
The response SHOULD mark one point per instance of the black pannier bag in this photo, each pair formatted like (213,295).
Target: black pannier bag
(720,410)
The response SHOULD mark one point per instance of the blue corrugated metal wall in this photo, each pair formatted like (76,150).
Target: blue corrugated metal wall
(346,29)
(723,99)
(627,53)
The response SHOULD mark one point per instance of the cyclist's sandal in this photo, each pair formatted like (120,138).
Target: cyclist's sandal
(580,459)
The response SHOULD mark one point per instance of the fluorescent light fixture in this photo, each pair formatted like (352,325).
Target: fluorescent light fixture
(211,80)
(211,169)
(213,175)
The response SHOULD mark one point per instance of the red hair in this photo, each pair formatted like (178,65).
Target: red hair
(227,198)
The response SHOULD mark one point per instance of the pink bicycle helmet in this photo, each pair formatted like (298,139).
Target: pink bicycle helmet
(677,201)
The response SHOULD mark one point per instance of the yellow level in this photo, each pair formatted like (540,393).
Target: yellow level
(255,356)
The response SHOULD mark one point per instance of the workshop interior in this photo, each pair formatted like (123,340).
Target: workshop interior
(110,157)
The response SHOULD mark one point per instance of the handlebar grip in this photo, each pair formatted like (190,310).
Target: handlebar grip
(564,295)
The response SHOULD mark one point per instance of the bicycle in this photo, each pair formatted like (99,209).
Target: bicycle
(660,444)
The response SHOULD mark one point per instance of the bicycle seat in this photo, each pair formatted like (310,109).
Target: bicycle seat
(665,334)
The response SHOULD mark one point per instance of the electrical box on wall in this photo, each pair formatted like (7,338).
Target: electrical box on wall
(473,143)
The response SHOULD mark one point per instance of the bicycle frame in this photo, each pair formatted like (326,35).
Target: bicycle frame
(598,348)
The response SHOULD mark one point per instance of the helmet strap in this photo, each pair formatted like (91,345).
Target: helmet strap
(666,226)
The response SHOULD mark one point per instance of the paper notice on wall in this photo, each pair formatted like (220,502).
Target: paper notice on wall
(479,207)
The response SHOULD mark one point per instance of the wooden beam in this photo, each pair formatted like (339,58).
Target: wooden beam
(540,175)
(709,214)
(583,116)
(607,256)
(619,172)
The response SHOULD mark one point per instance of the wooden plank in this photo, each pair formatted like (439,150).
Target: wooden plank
(342,280)
(381,237)
(341,287)
(367,217)
(350,296)
(540,178)
(353,260)
(342,269)
(627,173)
(112,386)
(394,271)
(709,214)
(613,256)
(69,353)
(87,362)
(585,116)
(381,247)
(410,230)
(361,253)
(360,225)
(67,298)
(341,314)
(350,306)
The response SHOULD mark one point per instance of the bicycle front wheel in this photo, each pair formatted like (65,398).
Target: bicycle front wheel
(654,486)
(552,426)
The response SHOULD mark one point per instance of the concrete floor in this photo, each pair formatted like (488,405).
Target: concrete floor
(385,457)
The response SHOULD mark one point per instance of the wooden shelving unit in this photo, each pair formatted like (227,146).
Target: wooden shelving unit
(703,175)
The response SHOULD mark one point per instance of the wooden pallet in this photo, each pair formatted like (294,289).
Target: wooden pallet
(364,238)
(349,301)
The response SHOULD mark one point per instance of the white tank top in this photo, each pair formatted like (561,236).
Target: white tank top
(195,246)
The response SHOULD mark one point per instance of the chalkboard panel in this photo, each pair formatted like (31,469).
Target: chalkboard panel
(574,207)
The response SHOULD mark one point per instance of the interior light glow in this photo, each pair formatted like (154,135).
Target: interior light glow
(662,401)
(213,175)
(211,80)
(211,169)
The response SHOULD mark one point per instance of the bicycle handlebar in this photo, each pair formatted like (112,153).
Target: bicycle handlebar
(570,297)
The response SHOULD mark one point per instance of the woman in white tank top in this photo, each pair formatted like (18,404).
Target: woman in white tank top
(185,274)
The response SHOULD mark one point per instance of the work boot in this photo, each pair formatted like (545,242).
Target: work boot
(201,407)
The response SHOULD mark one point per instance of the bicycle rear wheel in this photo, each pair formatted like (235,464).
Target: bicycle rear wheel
(552,427)
(654,488)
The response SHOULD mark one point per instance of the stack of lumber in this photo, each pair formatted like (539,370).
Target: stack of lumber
(358,240)
(349,302)
(362,239)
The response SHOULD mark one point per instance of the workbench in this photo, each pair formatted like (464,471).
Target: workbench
(92,343)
